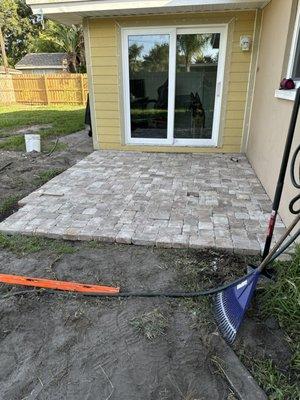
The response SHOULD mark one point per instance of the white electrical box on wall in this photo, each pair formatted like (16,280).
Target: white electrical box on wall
(245,43)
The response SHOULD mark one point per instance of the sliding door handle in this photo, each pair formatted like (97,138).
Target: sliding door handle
(218,90)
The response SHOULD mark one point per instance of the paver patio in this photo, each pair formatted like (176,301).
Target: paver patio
(168,200)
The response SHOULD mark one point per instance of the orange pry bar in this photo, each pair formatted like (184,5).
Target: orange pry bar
(57,285)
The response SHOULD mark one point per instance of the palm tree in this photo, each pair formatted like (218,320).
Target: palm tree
(61,38)
(158,58)
(191,47)
(134,57)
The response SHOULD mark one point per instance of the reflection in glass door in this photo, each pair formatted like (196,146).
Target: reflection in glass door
(148,82)
(196,77)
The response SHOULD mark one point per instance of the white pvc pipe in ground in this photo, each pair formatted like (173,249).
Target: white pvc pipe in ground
(32,142)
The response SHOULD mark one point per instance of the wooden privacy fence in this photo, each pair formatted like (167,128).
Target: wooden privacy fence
(43,89)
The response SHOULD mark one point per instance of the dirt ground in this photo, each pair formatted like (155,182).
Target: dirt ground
(55,346)
(58,347)
(20,172)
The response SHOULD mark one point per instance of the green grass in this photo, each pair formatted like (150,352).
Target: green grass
(276,384)
(64,119)
(45,176)
(17,143)
(8,205)
(21,245)
(281,299)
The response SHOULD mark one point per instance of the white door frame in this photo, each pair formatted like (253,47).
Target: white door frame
(172,31)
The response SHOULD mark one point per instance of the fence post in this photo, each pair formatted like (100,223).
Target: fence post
(82,89)
(46,90)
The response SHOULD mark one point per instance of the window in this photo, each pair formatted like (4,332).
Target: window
(294,62)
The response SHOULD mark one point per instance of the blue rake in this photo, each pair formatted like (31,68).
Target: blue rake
(231,304)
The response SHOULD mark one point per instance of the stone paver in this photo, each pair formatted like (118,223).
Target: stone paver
(168,200)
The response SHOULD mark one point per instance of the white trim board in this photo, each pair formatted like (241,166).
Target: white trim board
(72,11)
(285,94)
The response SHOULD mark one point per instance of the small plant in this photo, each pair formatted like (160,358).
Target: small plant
(151,324)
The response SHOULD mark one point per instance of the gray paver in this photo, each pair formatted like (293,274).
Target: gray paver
(168,200)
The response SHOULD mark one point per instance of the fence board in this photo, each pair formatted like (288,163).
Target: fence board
(7,94)
(44,89)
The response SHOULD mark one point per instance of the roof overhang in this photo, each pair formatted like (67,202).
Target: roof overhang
(73,11)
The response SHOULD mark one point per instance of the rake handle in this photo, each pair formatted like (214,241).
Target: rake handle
(279,243)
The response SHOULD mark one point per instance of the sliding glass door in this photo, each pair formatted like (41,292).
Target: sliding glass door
(173,82)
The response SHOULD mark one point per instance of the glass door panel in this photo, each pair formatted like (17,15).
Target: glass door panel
(148,59)
(197,58)
(173,83)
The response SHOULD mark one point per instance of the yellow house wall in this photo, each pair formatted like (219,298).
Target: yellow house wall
(270,116)
(104,60)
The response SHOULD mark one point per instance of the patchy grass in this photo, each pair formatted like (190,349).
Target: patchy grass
(21,245)
(151,324)
(17,143)
(45,176)
(278,385)
(64,119)
(281,299)
(8,206)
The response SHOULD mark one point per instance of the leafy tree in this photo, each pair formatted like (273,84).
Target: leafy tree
(23,34)
(158,58)
(19,28)
(213,59)
(61,38)
(135,62)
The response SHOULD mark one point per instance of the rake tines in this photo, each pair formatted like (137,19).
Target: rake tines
(231,304)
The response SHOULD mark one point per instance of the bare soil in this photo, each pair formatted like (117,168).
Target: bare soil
(55,346)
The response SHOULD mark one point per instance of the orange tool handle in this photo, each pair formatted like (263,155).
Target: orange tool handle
(57,285)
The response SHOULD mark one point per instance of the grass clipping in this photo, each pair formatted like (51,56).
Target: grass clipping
(150,324)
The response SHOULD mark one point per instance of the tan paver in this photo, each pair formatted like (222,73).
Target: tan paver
(171,200)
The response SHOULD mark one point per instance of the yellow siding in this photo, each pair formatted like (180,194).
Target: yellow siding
(104,37)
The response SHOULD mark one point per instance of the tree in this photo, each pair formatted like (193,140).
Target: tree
(23,34)
(3,50)
(135,62)
(190,46)
(61,38)
(158,58)
(19,28)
